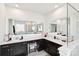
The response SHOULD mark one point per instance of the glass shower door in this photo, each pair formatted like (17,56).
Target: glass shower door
(72,22)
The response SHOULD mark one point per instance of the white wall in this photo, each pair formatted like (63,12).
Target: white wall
(2,22)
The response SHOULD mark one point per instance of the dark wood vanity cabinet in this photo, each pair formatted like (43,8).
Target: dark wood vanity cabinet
(41,44)
(5,49)
(21,49)
(52,48)
(48,46)
(16,49)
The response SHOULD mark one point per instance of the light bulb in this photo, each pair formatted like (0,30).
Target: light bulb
(58,21)
(17,5)
(56,6)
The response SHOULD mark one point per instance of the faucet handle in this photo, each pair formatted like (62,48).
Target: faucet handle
(21,38)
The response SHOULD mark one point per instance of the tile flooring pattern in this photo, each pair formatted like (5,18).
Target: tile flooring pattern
(37,53)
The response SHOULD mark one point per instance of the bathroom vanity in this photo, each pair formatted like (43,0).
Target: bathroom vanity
(20,47)
(52,44)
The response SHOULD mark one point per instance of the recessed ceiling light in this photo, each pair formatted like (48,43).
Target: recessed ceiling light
(17,5)
(58,21)
(56,6)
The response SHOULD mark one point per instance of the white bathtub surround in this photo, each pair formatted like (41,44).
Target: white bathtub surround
(69,50)
(75,51)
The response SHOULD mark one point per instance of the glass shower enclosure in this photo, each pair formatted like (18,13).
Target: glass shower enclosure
(72,23)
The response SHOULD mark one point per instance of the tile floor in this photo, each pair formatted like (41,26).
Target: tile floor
(37,53)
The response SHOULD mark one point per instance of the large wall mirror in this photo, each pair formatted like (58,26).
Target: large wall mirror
(53,27)
(24,27)
(59,26)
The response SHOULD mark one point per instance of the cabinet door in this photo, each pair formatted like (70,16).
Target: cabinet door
(40,44)
(51,48)
(5,50)
(18,49)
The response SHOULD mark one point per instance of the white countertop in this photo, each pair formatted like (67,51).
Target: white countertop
(17,41)
(56,41)
(34,38)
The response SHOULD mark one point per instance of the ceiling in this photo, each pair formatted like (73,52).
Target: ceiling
(36,7)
